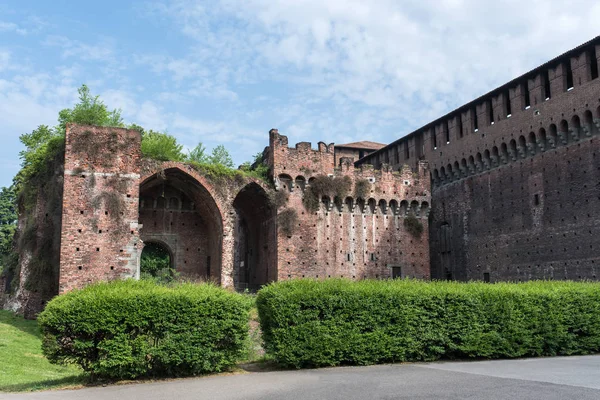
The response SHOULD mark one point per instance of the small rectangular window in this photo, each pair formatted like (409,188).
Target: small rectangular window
(536,199)
(396,272)
(486,276)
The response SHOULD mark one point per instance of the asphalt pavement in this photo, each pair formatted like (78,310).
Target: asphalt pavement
(540,378)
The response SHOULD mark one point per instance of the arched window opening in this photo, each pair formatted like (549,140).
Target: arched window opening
(504,153)
(327,203)
(450,172)
(456,170)
(479,162)
(394,208)
(542,139)
(487,161)
(382,206)
(443,175)
(522,146)
(414,208)
(512,149)
(563,132)
(463,167)
(436,176)
(300,183)
(372,206)
(588,122)
(156,261)
(532,144)
(349,202)
(286,182)
(575,127)
(471,165)
(424,209)
(360,204)
(404,208)
(173,203)
(552,136)
(495,156)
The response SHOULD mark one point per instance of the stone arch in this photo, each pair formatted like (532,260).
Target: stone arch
(588,123)
(449,172)
(463,167)
(372,206)
(349,202)
(478,162)
(504,153)
(383,207)
(532,143)
(575,127)
(195,236)
(512,149)
(471,165)
(327,203)
(424,209)
(414,208)
(254,233)
(522,147)
(495,156)
(404,207)
(563,132)
(300,182)
(542,139)
(487,160)
(285,182)
(168,248)
(443,175)
(173,203)
(552,136)
(436,176)
(394,207)
(456,170)
(360,203)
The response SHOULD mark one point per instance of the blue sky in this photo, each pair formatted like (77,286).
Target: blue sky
(225,72)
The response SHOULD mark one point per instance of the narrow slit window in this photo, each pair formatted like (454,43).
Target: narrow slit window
(526,94)
(508,105)
(594,64)
(569,75)
(547,85)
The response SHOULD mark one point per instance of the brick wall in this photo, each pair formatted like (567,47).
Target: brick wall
(100,237)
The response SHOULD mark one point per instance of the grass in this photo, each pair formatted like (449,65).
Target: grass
(23,367)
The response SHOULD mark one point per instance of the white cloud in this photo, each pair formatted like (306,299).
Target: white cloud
(102,51)
(401,61)
(12,27)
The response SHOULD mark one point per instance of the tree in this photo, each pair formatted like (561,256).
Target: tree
(198,154)
(221,156)
(161,146)
(8,222)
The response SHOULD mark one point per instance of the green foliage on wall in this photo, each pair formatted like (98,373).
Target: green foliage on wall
(362,189)
(413,226)
(161,146)
(287,220)
(336,188)
(129,329)
(311,323)
(8,224)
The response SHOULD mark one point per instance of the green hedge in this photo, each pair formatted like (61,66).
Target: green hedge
(309,323)
(130,329)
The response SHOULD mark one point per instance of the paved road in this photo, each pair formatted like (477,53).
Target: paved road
(547,378)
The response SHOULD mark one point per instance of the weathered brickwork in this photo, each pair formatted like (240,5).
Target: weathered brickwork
(100,236)
(363,237)
(515,176)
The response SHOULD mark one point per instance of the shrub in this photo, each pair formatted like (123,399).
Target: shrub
(161,146)
(413,226)
(309,323)
(362,188)
(130,329)
(336,188)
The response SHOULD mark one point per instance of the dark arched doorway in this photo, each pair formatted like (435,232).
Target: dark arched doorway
(156,260)
(178,211)
(255,255)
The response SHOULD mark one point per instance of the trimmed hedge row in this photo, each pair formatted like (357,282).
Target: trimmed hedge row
(130,329)
(309,323)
